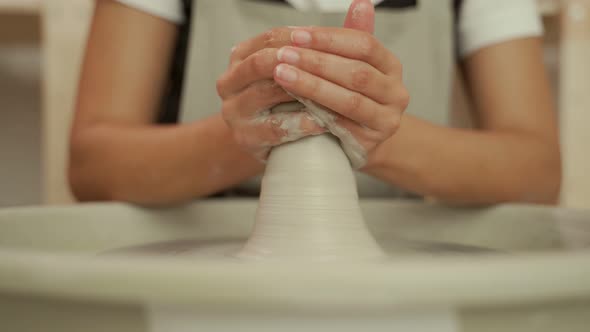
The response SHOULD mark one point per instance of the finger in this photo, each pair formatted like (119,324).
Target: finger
(361,16)
(356,140)
(349,43)
(349,104)
(274,38)
(258,97)
(366,137)
(352,74)
(256,67)
(276,128)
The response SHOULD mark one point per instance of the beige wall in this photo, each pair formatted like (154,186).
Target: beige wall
(20,171)
(39,61)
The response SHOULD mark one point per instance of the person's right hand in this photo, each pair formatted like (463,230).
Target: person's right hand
(248,91)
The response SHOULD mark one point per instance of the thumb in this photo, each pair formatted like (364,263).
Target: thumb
(361,16)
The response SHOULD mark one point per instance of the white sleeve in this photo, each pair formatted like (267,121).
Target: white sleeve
(486,22)
(170,10)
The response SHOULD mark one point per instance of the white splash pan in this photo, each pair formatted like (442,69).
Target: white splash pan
(535,275)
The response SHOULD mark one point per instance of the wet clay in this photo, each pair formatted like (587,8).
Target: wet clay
(308,206)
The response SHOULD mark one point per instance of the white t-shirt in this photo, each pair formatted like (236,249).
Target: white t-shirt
(481,22)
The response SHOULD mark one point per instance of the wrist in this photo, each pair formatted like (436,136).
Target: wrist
(381,157)
(398,161)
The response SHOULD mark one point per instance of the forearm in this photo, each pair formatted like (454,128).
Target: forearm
(469,167)
(157,164)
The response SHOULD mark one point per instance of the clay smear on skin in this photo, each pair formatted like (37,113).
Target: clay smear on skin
(358,12)
(356,153)
(290,123)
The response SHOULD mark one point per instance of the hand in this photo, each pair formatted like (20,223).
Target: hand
(248,91)
(349,72)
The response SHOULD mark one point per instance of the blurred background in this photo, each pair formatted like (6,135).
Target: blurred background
(41,45)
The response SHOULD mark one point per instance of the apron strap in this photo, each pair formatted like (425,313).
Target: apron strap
(170,106)
(457,4)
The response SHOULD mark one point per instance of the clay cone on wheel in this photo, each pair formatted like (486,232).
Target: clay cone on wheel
(309,206)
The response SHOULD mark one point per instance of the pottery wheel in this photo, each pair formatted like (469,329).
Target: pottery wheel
(308,210)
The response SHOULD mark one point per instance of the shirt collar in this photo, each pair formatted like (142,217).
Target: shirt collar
(326,6)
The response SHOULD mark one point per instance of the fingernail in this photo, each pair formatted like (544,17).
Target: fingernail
(286,73)
(301,37)
(288,55)
(233,49)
